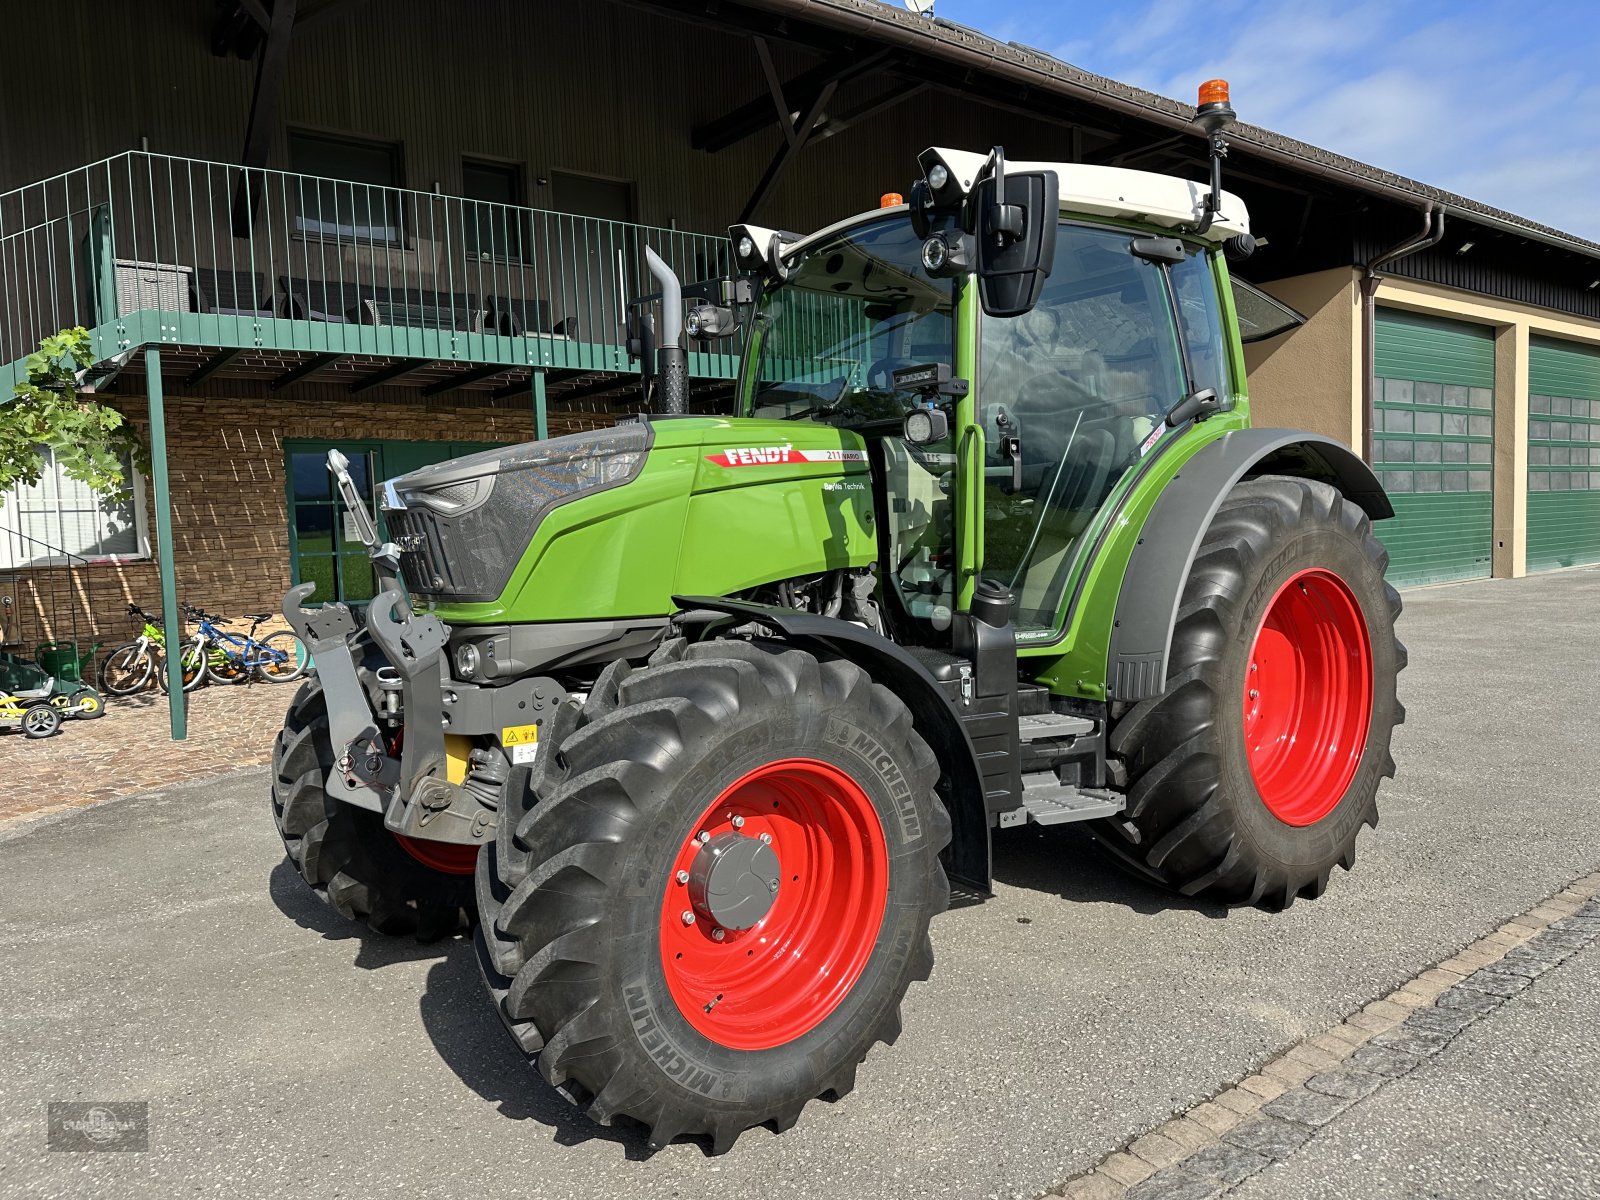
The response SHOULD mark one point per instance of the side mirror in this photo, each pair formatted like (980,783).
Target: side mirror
(1016,217)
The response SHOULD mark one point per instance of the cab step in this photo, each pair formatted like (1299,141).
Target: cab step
(1048,801)
(1037,726)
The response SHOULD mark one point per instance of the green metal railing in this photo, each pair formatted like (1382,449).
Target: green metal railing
(146,249)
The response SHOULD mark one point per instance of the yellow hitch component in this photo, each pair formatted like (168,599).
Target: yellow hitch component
(457,749)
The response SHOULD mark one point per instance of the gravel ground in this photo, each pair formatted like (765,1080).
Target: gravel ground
(158,949)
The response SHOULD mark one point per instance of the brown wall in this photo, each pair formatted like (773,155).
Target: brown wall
(593,88)
(1311,378)
(230,524)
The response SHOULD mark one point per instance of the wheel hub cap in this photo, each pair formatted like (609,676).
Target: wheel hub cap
(1308,697)
(774,904)
(734,881)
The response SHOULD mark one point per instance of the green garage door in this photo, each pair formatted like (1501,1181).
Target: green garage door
(1432,440)
(1563,455)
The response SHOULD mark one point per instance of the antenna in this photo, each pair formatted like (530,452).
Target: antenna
(923,8)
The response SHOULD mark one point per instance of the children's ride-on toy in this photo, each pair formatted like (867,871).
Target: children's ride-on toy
(34,715)
(28,682)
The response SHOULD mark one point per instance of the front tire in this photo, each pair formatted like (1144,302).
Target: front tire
(1251,776)
(715,890)
(345,853)
(127,669)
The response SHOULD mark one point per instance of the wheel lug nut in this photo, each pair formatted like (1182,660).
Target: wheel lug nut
(718,935)
(738,822)
(688,916)
(767,838)
(1254,694)
(704,836)
(683,877)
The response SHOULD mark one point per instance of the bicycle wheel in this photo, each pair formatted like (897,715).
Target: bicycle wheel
(127,670)
(193,659)
(226,667)
(281,657)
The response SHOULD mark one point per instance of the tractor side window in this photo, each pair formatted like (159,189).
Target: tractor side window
(1200,313)
(1083,383)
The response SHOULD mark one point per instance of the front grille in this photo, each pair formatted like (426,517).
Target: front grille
(464,525)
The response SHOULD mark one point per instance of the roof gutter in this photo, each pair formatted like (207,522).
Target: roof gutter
(1430,235)
(887,26)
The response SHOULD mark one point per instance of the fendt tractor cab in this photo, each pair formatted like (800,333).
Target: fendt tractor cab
(699,713)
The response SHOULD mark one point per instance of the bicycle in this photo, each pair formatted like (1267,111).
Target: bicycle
(222,657)
(130,667)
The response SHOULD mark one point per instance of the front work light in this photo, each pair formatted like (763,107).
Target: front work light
(924,426)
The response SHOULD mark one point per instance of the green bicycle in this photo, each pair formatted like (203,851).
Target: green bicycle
(135,665)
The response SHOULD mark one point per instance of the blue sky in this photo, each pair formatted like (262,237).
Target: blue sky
(1497,101)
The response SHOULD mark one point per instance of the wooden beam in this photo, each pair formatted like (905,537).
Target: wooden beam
(272,65)
(775,86)
(310,367)
(871,108)
(466,377)
(799,93)
(211,366)
(387,375)
(257,13)
(786,154)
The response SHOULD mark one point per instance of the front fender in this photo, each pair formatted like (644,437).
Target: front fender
(1147,605)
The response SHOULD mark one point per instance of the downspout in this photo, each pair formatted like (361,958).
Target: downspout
(1432,233)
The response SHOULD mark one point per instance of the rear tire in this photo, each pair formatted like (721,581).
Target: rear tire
(293,665)
(638,1014)
(40,720)
(1284,640)
(345,853)
(127,669)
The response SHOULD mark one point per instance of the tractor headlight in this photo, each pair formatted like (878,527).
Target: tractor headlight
(934,255)
(467,659)
(924,426)
(747,248)
(938,176)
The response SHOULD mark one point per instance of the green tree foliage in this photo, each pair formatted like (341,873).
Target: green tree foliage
(89,440)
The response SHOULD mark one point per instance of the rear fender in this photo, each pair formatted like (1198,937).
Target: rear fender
(1147,606)
(960,783)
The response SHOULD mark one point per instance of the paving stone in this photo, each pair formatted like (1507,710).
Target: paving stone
(1465,999)
(1348,1082)
(1441,977)
(1289,1073)
(1568,939)
(1443,1020)
(1523,928)
(1307,1107)
(1407,1039)
(1409,998)
(1158,1150)
(1268,1136)
(1094,1187)
(1495,982)
(1228,1163)
(1126,1169)
(1191,1135)
(1312,1057)
(1371,1021)
(1346,1032)
(1335,1045)
(1581,923)
(1214,1117)
(1526,962)
(1242,1102)
(1265,1086)
(1388,1010)
(1175,1184)
(1381,1060)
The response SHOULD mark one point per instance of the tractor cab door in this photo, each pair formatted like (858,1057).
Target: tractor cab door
(1072,396)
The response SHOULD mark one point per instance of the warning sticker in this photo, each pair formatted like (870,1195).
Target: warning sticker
(768,456)
(522,741)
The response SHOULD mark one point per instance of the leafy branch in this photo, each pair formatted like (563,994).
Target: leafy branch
(89,441)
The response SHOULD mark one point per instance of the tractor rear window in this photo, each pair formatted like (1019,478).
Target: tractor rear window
(825,345)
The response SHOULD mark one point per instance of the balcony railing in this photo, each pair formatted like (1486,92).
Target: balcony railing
(149,249)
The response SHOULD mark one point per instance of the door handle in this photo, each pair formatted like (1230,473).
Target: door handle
(1011,447)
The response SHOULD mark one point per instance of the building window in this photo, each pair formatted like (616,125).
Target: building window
(492,216)
(353,196)
(59,520)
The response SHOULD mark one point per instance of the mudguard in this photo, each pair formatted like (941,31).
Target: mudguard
(1147,606)
(960,781)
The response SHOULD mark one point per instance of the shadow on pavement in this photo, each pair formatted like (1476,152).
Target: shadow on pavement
(373,950)
(457,1015)
(1064,861)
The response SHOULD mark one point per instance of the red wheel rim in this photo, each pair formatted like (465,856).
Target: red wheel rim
(1308,697)
(449,857)
(760,987)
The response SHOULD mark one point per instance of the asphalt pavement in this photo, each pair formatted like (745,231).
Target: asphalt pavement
(156,948)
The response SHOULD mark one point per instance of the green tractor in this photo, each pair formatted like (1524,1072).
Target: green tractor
(702,716)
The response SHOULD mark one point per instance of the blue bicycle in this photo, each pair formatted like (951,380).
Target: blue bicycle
(223,657)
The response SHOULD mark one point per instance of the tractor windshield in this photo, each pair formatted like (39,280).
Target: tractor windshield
(824,346)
